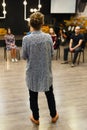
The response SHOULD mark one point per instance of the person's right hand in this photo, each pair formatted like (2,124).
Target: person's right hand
(71,49)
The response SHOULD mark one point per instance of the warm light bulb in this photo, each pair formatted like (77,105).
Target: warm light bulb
(4,12)
(31,10)
(25,2)
(3,4)
(35,10)
(39,6)
(28,19)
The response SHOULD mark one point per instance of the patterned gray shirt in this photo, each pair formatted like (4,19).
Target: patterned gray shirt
(37,49)
(10,41)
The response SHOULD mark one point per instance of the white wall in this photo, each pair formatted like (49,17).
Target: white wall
(63,6)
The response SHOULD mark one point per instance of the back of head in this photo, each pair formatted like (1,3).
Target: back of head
(36,20)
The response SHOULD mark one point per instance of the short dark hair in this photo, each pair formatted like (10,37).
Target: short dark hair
(36,20)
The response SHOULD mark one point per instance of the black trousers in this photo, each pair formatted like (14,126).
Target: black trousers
(34,103)
(76,51)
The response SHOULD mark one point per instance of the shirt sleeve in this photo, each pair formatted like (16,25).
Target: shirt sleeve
(52,50)
(13,39)
(24,49)
(82,37)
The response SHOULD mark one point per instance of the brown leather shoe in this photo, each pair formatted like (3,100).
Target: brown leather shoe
(34,121)
(54,119)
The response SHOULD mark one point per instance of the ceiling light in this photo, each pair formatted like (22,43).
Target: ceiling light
(4,10)
(32,9)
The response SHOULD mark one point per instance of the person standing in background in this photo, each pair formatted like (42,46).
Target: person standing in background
(37,49)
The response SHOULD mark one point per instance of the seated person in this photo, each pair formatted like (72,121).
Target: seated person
(54,37)
(10,44)
(63,37)
(74,46)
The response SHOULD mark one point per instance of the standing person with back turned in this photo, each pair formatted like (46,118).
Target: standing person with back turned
(37,49)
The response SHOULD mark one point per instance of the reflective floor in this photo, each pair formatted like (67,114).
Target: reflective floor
(70,89)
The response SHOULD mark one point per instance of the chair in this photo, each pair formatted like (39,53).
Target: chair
(81,53)
(17,54)
(5,53)
(57,48)
(58,52)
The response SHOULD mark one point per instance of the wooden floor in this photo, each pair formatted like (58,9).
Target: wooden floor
(70,88)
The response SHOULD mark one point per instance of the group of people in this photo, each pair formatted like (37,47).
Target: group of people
(61,38)
(37,50)
(74,43)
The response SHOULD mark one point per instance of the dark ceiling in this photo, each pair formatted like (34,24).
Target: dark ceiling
(15,14)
